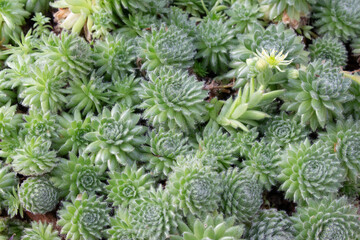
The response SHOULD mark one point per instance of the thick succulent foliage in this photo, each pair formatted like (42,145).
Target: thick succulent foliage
(180,19)
(43,89)
(328,218)
(355,45)
(116,137)
(125,90)
(166,46)
(352,107)
(318,94)
(165,146)
(86,218)
(245,140)
(127,185)
(17,70)
(8,181)
(214,40)
(339,18)
(218,149)
(9,120)
(310,171)
(38,196)
(40,124)
(87,94)
(77,175)
(67,52)
(121,227)
(11,228)
(262,164)
(282,130)
(173,98)
(271,224)
(294,9)
(153,214)
(103,23)
(245,15)
(137,6)
(329,49)
(114,55)
(274,38)
(34,157)
(39,230)
(12,16)
(73,132)
(242,196)
(8,146)
(135,24)
(343,140)
(195,187)
(195,7)
(211,228)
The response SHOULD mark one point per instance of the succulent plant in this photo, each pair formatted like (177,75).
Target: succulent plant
(241,197)
(39,230)
(8,181)
(337,18)
(328,218)
(343,140)
(283,130)
(43,89)
(8,146)
(262,164)
(173,98)
(281,9)
(17,70)
(218,149)
(310,171)
(275,38)
(153,214)
(114,55)
(195,7)
(136,23)
(136,6)
(329,49)
(355,45)
(11,228)
(245,15)
(37,195)
(195,188)
(67,52)
(103,23)
(245,140)
(87,94)
(24,45)
(214,40)
(318,94)
(9,120)
(116,138)
(351,107)
(127,185)
(40,124)
(166,46)
(41,24)
(211,228)
(34,157)
(77,175)
(164,147)
(271,224)
(12,16)
(35,6)
(125,90)
(121,227)
(84,218)
(180,19)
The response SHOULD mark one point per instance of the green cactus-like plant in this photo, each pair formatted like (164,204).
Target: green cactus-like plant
(195,7)
(40,124)
(343,140)
(271,224)
(8,182)
(8,146)
(67,52)
(153,214)
(318,95)
(39,230)
(136,23)
(211,228)
(337,18)
(328,218)
(241,197)
(77,175)
(180,19)
(329,49)
(12,16)
(310,171)
(245,140)
(355,45)
(262,164)
(9,120)
(127,185)
(103,23)
(173,98)
(166,46)
(36,6)
(84,218)
(114,55)
(37,195)
(125,90)
(165,146)
(116,138)
(121,227)
(34,157)
(351,107)
(195,187)
(276,9)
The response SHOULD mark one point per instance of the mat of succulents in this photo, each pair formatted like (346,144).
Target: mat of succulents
(179,119)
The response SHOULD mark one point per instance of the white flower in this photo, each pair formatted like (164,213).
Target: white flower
(272,59)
